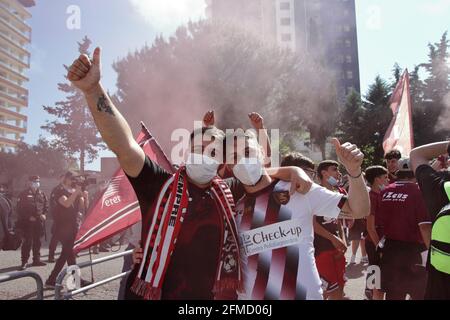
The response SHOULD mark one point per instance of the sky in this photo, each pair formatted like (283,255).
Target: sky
(388,32)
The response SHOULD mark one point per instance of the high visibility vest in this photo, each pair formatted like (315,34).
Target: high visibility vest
(440,237)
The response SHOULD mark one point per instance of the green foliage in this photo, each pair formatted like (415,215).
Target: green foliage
(74,128)
(365,124)
(41,159)
(217,66)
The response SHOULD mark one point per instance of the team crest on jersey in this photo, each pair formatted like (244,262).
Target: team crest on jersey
(229,264)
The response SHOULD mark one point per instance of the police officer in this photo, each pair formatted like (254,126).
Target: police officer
(32,209)
(54,240)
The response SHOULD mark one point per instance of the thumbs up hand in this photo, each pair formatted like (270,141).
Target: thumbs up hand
(350,156)
(85,73)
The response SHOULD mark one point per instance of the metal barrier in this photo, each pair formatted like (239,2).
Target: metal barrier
(10,276)
(59,295)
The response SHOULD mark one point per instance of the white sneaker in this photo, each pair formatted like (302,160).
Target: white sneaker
(353,260)
(364,260)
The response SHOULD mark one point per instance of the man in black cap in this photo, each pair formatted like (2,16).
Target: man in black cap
(32,209)
(69,202)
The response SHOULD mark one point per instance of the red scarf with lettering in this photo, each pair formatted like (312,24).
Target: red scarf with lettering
(161,238)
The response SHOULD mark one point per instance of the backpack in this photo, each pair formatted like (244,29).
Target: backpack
(11,240)
(440,238)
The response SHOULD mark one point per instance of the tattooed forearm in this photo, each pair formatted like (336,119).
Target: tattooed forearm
(103,105)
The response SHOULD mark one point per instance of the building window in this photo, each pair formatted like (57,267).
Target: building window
(348,58)
(348,43)
(347,28)
(285,6)
(285,21)
(340,59)
(286,37)
(350,75)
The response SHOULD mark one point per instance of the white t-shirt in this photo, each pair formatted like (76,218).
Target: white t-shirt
(277,242)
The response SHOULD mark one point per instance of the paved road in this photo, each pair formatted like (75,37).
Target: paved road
(26,288)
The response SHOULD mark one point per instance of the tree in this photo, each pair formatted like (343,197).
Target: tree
(431,115)
(379,116)
(216,66)
(397,72)
(41,159)
(74,128)
(351,124)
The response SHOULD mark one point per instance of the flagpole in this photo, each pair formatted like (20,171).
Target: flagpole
(144,127)
(92,269)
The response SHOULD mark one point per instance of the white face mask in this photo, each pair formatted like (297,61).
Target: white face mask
(382,187)
(333,181)
(248,171)
(201,169)
(35,185)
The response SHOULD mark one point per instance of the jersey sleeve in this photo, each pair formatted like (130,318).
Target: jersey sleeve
(325,203)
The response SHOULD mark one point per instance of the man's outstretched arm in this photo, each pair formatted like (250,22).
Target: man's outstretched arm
(85,74)
(358,204)
(424,154)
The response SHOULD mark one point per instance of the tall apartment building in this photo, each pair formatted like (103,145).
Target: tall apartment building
(15,35)
(323,27)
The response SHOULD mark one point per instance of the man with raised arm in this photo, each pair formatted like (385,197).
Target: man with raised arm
(189,234)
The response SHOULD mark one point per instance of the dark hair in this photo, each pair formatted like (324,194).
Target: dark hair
(324,165)
(296,159)
(211,130)
(393,154)
(374,172)
(404,174)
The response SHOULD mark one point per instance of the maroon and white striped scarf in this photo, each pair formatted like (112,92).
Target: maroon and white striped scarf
(162,236)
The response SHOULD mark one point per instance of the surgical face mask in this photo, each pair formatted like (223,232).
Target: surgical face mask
(248,171)
(382,187)
(333,181)
(35,185)
(201,169)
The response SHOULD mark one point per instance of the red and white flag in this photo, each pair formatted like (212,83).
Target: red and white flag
(117,208)
(400,135)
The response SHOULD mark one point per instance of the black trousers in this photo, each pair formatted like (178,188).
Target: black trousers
(32,233)
(53,242)
(67,255)
(401,272)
